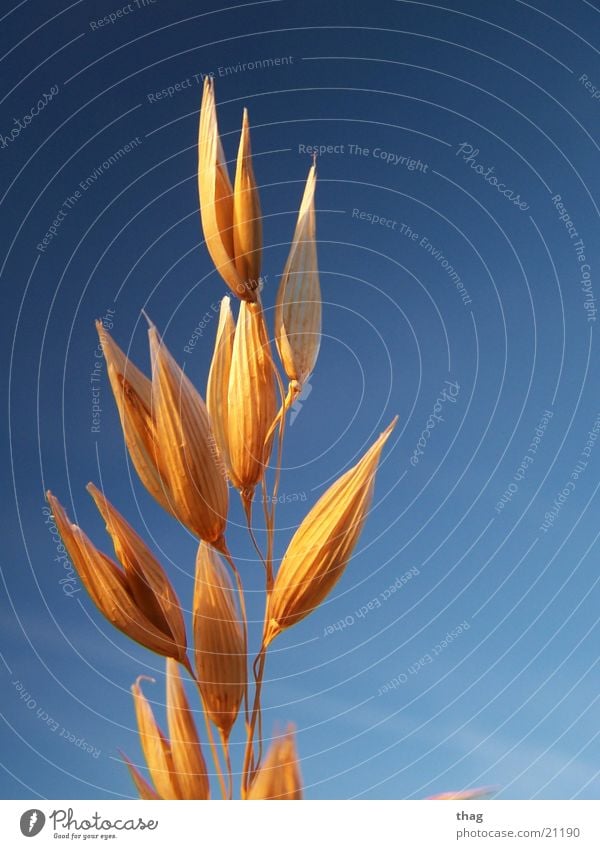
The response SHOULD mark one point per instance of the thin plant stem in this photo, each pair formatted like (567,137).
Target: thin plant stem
(259,679)
(225,744)
(292,393)
(269,555)
(251,764)
(250,768)
(247,505)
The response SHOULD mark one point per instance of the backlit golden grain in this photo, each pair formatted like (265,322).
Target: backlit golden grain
(279,776)
(184,453)
(298,305)
(189,455)
(218,641)
(231,221)
(321,547)
(112,591)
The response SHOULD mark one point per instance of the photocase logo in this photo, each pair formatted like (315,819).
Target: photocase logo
(32,822)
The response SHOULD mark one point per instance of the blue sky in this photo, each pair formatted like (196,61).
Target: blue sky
(482,666)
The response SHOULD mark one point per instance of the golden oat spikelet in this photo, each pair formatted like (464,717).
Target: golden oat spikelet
(215,192)
(111,591)
(218,641)
(189,455)
(251,399)
(322,546)
(155,746)
(279,775)
(167,432)
(217,388)
(186,751)
(132,391)
(231,219)
(247,217)
(146,579)
(298,304)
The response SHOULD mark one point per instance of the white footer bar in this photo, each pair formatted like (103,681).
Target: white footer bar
(302,825)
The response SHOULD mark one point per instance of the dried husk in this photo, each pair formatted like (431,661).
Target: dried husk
(186,751)
(217,203)
(146,579)
(109,589)
(298,304)
(321,547)
(167,432)
(132,391)
(279,775)
(251,399)
(155,746)
(247,216)
(217,388)
(218,640)
(189,454)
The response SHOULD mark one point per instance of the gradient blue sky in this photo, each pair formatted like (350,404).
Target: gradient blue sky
(512,699)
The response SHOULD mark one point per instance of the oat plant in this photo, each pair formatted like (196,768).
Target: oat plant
(188,453)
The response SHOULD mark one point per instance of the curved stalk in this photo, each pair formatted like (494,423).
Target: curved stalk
(250,766)
(247,505)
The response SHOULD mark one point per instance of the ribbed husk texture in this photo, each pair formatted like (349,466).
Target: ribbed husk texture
(189,453)
(176,764)
(218,641)
(231,217)
(298,304)
(169,438)
(241,394)
(321,547)
(138,599)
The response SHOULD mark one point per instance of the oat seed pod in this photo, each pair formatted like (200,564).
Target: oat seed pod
(298,304)
(155,746)
(323,544)
(247,216)
(251,400)
(217,388)
(279,775)
(224,230)
(111,591)
(186,751)
(146,579)
(189,455)
(218,641)
(132,391)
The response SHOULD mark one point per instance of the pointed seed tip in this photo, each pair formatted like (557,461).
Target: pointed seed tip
(144,678)
(148,319)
